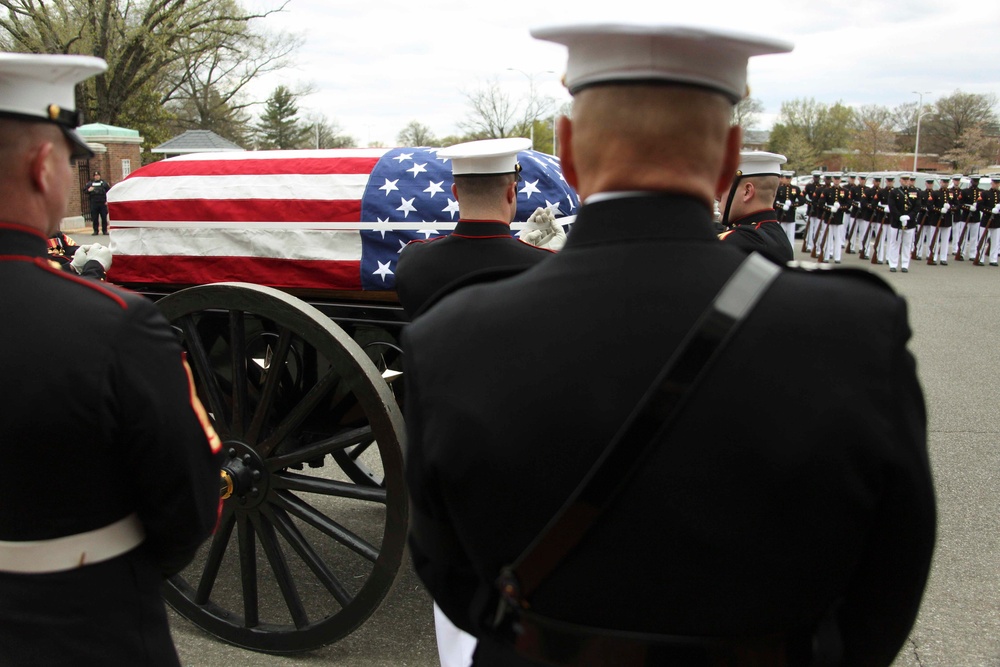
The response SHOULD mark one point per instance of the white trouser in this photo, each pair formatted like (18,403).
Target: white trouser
(455,647)
(812,232)
(835,242)
(994,241)
(924,243)
(956,235)
(859,234)
(900,244)
(789,228)
(971,241)
(943,245)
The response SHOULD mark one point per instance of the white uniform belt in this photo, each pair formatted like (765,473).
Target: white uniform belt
(72,551)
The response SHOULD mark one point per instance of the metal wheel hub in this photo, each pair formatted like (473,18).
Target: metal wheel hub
(244,476)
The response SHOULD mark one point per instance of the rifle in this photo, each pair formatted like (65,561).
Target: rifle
(878,237)
(920,229)
(983,244)
(934,238)
(805,234)
(854,225)
(863,252)
(961,240)
(820,251)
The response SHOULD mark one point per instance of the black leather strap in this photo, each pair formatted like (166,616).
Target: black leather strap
(649,421)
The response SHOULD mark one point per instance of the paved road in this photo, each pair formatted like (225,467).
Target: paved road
(955,316)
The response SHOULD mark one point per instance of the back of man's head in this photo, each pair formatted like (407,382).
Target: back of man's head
(479,193)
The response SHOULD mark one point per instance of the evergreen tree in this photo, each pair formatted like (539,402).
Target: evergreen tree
(279,125)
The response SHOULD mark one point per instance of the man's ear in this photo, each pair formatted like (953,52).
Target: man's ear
(749,191)
(564,130)
(41,168)
(730,161)
(454,191)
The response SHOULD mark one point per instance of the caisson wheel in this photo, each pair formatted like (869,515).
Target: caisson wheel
(314,515)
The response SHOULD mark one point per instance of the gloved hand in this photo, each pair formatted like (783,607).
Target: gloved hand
(542,230)
(79,258)
(904,219)
(835,207)
(885,207)
(996,209)
(787,205)
(946,207)
(100,254)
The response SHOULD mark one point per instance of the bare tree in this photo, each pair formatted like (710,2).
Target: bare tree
(973,151)
(327,133)
(416,134)
(746,112)
(873,136)
(493,114)
(953,116)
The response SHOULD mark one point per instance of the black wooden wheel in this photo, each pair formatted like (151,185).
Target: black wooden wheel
(305,550)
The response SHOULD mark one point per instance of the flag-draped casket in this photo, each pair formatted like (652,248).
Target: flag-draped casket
(318,219)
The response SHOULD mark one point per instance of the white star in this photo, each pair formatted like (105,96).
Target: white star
(434,188)
(403,156)
(451,208)
(383,270)
(428,232)
(402,244)
(406,206)
(554,207)
(382,226)
(530,188)
(389,186)
(417,168)
(572,206)
(543,163)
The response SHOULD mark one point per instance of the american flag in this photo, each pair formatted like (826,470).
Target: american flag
(317,219)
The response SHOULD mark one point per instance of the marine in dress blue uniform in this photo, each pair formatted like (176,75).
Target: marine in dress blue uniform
(749,214)
(736,526)
(486,189)
(787,200)
(110,478)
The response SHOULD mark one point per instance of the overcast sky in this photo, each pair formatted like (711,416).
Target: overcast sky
(376,65)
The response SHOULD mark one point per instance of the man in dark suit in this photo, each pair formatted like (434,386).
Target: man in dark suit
(126,454)
(97,193)
(749,213)
(753,528)
(486,182)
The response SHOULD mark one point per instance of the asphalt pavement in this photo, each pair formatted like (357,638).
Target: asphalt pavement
(955,317)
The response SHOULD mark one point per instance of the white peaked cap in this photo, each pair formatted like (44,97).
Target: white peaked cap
(42,87)
(761,163)
(488,156)
(621,53)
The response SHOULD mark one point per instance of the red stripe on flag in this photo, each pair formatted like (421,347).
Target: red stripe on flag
(266,167)
(279,273)
(237,210)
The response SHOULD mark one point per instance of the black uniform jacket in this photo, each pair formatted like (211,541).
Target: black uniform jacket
(97,423)
(794,481)
(760,232)
(428,267)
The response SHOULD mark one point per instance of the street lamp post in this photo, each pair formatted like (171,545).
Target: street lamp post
(920,114)
(531,91)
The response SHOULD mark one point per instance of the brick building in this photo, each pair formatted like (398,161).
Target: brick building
(117,151)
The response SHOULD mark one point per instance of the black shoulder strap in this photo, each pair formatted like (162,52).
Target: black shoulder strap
(651,418)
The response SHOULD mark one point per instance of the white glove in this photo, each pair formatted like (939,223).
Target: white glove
(542,230)
(100,254)
(885,207)
(946,207)
(996,209)
(835,207)
(79,258)
(787,205)
(904,219)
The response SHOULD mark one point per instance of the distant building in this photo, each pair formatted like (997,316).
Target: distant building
(756,140)
(196,141)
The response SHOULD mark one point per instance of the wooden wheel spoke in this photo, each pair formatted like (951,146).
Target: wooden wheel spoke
(248,572)
(238,363)
(304,549)
(304,408)
(209,380)
(322,448)
(360,449)
(283,576)
(297,507)
(275,368)
(213,561)
(328,487)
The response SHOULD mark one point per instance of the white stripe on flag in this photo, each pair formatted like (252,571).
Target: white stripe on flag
(320,187)
(239,241)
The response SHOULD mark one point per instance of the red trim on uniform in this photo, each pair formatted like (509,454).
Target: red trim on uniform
(92,284)
(491,236)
